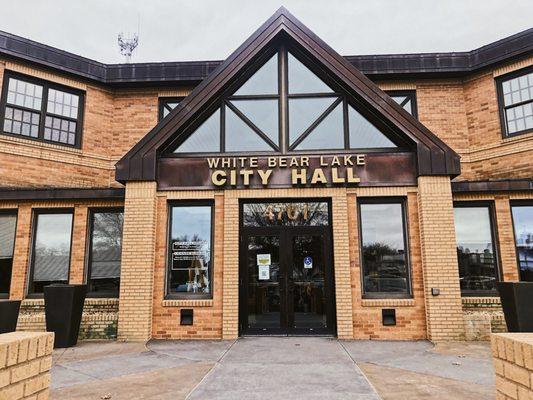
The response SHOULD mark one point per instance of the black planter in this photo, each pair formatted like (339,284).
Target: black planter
(9,314)
(63,305)
(517,304)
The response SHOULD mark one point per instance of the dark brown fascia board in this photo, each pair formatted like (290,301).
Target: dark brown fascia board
(434,157)
(40,194)
(505,185)
(384,66)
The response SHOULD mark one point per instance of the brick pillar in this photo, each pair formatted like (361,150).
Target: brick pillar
(444,313)
(506,238)
(79,236)
(341,254)
(138,259)
(21,253)
(230,279)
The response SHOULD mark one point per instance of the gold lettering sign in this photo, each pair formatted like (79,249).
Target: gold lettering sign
(243,171)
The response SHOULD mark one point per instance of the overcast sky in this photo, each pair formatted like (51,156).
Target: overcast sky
(178,30)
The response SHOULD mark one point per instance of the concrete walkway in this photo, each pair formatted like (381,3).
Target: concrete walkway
(273,368)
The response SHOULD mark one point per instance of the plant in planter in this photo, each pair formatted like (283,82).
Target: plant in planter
(517,304)
(9,314)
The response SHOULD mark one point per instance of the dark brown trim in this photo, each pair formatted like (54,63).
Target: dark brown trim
(387,66)
(410,96)
(43,113)
(513,185)
(61,194)
(162,103)
(405,227)
(489,204)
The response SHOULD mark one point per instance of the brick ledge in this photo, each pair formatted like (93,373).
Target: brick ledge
(388,302)
(187,303)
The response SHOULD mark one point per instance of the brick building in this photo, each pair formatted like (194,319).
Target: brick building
(285,190)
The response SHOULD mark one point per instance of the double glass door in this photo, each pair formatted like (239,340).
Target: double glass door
(287,281)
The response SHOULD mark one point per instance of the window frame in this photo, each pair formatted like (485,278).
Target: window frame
(518,203)
(411,94)
(189,296)
(501,104)
(495,244)
(162,102)
(30,294)
(47,85)
(284,147)
(10,211)
(405,227)
(88,251)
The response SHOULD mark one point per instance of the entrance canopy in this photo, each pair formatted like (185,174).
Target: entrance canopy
(286,93)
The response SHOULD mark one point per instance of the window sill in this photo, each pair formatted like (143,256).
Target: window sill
(388,302)
(187,303)
(481,300)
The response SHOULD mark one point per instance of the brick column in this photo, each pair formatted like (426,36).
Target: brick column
(21,253)
(79,236)
(506,241)
(138,259)
(230,279)
(341,254)
(439,259)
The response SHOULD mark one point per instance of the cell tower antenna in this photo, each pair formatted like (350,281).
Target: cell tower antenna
(128,43)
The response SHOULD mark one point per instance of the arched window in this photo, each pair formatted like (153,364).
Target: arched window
(284,107)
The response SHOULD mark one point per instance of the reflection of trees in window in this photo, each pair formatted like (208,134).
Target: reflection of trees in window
(385,268)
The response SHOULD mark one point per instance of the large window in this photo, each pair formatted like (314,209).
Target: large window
(384,255)
(103,274)
(286,104)
(406,99)
(190,251)
(50,261)
(40,110)
(476,252)
(523,233)
(516,102)
(167,104)
(8,222)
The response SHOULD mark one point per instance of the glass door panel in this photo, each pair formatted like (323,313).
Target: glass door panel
(264,294)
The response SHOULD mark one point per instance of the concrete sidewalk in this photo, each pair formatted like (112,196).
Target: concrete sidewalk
(274,368)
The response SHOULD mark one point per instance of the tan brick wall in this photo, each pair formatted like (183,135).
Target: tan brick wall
(138,258)
(25,362)
(513,365)
(444,314)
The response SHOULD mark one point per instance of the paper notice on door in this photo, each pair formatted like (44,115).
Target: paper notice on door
(264,272)
(263,259)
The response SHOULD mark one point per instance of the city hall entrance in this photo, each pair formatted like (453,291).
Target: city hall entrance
(286,268)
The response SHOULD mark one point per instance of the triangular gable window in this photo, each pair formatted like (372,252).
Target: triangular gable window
(318,117)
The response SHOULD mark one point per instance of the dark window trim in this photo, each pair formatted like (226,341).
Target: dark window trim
(518,203)
(495,244)
(162,103)
(501,105)
(88,251)
(405,226)
(189,203)
(36,212)
(11,211)
(44,104)
(411,94)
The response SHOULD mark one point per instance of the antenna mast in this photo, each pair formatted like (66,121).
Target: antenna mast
(127,45)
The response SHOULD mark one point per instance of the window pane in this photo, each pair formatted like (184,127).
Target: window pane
(51,258)
(205,138)
(405,102)
(519,118)
(263,114)
(303,112)
(475,250)
(363,134)
(21,122)
(288,213)
(60,130)
(24,94)
(8,224)
(62,103)
(190,250)
(523,228)
(105,253)
(328,134)
(240,137)
(264,81)
(302,80)
(518,89)
(384,253)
